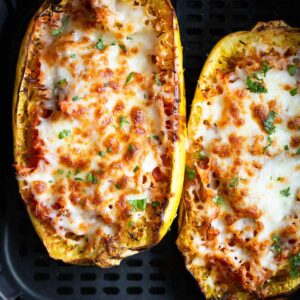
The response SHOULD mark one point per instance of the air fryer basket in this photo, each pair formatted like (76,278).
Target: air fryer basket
(26,271)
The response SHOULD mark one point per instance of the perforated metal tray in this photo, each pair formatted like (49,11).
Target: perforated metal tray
(26,271)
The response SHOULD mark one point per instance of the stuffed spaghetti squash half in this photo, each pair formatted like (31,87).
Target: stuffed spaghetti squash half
(240,215)
(99,126)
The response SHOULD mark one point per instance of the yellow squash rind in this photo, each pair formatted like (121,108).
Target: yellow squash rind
(102,255)
(278,33)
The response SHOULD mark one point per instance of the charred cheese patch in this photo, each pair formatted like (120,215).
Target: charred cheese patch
(243,172)
(103,122)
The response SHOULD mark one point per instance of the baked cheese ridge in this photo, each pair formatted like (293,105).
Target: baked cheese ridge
(242,189)
(103,121)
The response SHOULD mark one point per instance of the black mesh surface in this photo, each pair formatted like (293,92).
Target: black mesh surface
(26,271)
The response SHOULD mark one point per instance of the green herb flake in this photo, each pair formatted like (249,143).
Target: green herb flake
(218,200)
(269,122)
(60,171)
(78,179)
(50,181)
(156,137)
(118,186)
(294,264)
(276,244)
(101,153)
(233,182)
(129,38)
(268,145)
(77,171)
(298,151)
(123,47)
(138,204)
(286,192)
(157,80)
(286,147)
(199,155)
(191,174)
(64,22)
(113,43)
(61,82)
(130,223)
(292,69)
(92,178)
(76,98)
(255,87)
(64,133)
(131,147)
(293,92)
(136,168)
(129,77)
(122,121)
(108,150)
(68,175)
(155,204)
(265,68)
(100,45)
(73,55)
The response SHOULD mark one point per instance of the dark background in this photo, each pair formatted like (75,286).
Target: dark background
(26,271)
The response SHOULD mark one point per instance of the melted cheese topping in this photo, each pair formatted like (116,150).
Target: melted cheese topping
(103,129)
(243,186)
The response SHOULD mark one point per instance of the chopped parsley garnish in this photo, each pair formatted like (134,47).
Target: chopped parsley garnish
(136,168)
(101,153)
(123,120)
(292,69)
(155,204)
(130,223)
(265,68)
(298,151)
(234,182)
(286,192)
(50,181)
(199,155)
(113,43)
(78,179)
(92,178)
(64,22)
(268,145)
(76,98)
(269,122)
(217,200)
(293,92)
(61,82)
(108,150)
(68,175)
(129,77)
(61,172)
(64,133)
(190,172)
(156,137)
(157,80)
(131,147)
(73,55)
(129,38)
(100,45)
(276,244)
(286,147)
(123,47)
(294,264)
(77,171)
(138,204)
(118,186)
(255,86)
